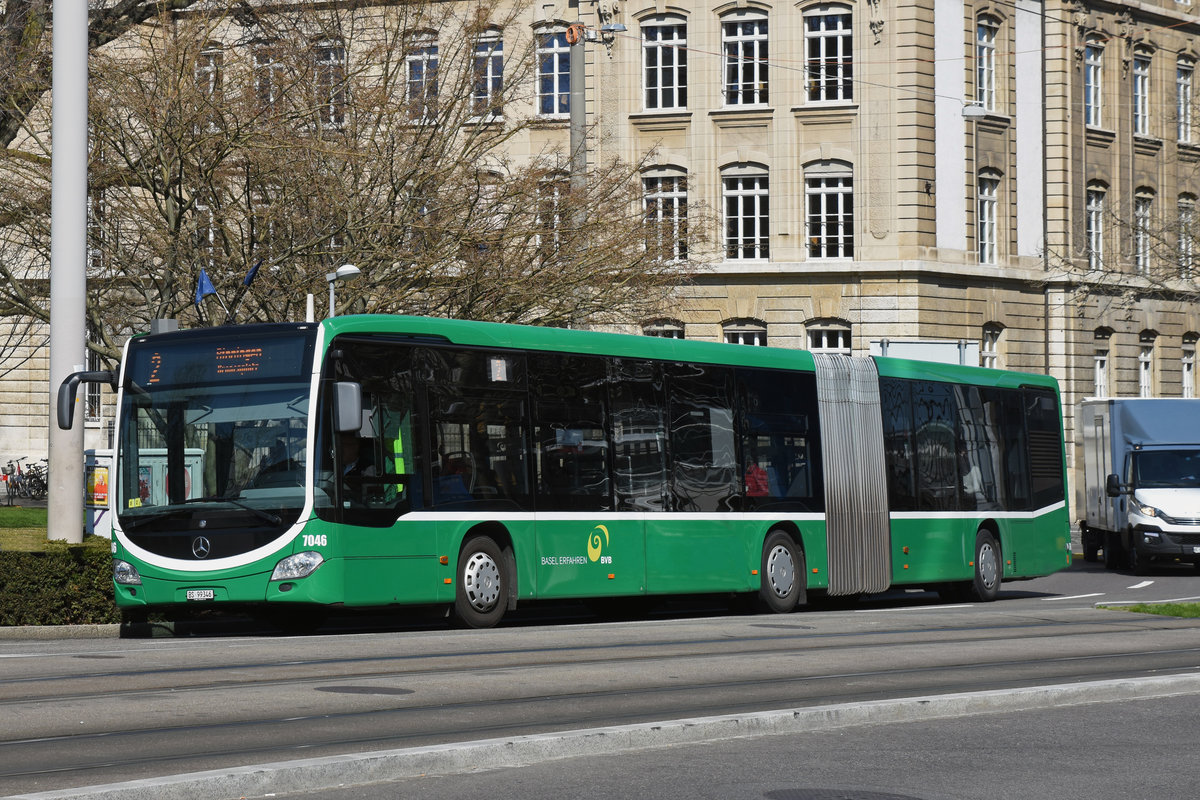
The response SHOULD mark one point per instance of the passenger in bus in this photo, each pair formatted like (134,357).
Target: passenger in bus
(757,484)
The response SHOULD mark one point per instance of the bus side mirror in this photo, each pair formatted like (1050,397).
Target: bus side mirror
(347,407)
(68,391)
(1112,486)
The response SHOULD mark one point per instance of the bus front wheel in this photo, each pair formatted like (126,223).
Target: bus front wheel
(482,592)
(988,567)
(782,573)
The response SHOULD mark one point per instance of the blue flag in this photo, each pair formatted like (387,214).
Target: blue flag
(204,286)
(249,279)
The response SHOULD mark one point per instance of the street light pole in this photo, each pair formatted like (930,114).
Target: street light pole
(342,273)
(68,256)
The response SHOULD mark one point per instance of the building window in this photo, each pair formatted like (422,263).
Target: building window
(1093,84)
(329,83)
(1188,366)
(266,77)
(549,220)
(665,213)
(829,64)
(664,329)
(985,216)
(1146,364)
(664,64)
(989,347)
(745,331)
(1141,95)
(208,71)
(92,401)
(744,42)
(829,201)
(1187,235)
(206,235)
(489,74)
(422,78)
(1100,372)
(1184,70)
(554,74)
(1142,206)
(747,213)
(985,62)
(829,338)
(1094,226)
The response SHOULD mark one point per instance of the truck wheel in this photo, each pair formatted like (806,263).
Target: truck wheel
(1114,554)
(1139,563)
(1090,541)
(988,567)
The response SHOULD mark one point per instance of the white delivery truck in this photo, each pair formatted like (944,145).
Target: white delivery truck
(1141,481)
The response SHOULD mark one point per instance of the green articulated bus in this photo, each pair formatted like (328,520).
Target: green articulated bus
(373,461)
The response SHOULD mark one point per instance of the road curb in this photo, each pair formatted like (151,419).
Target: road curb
(389,765)
(105,631)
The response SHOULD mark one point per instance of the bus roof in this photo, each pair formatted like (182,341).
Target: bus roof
(530,337)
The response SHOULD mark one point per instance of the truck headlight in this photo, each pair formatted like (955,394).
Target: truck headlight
(1147,511)
(125,573)
(300,565)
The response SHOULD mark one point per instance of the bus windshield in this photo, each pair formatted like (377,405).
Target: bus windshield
(214,428)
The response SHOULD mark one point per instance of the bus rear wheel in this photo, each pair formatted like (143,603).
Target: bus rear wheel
(482,593)
(782,574)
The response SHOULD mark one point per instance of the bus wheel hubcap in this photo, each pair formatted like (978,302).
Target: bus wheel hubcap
(781,572)
(481,578)
(987,565)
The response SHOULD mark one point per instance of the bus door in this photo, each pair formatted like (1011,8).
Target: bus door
(584,547)
(700,544)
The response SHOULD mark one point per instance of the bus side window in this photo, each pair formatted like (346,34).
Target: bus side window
(704,475)
(569,422)
(639,435)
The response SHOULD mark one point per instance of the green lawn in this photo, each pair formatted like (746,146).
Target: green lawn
(1191,610)
(22,528)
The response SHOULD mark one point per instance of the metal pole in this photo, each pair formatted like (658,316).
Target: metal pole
(331,279)
(68,257)
(578,113)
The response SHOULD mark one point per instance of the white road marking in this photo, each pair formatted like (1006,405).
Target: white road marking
(1076,596)
(1141,585)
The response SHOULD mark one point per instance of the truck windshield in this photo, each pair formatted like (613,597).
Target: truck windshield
(213,432)
(1167,469)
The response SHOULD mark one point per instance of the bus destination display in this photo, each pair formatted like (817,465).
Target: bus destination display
(217,361)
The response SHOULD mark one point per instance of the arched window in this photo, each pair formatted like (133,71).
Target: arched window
(329,82)
(554,72)
(664,329)
(1185,68)
(989,345)
(828,336)
(1187,235)
(664,210)
(829,61)
(1094,224)
(986,204)
(829,202)
(987,28)
(1146,342)
(1141,92)
(746,197)
(664,62)
(489,73)
(1093,83)
(1143,210)
(745,331)
(744,42)
(1101,366)
(1188,364)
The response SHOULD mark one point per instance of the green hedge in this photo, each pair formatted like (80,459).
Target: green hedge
(66,584)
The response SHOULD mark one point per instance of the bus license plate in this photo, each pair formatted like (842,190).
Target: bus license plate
(200,594)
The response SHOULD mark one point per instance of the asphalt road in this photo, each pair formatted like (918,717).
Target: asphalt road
(79,712)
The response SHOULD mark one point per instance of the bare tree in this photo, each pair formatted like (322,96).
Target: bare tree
(268,148)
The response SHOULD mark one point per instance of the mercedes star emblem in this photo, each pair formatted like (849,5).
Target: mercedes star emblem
(201,547)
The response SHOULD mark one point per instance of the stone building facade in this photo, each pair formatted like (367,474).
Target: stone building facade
(1009,184)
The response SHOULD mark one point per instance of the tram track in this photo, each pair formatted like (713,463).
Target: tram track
(167,706)
(799,638)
